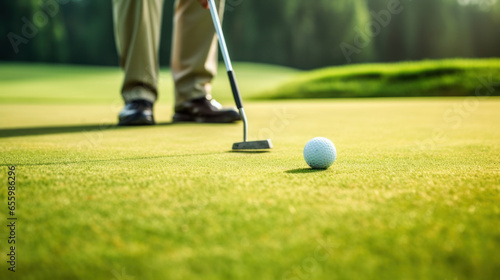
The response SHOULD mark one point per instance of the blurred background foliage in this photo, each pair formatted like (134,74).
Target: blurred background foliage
(296,33)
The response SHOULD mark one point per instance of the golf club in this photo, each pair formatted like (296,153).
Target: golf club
(245,145)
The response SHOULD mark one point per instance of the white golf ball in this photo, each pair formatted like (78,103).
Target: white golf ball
(320,153)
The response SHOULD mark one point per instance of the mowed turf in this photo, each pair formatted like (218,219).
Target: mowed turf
(414,193)
(61,84)
(448,77)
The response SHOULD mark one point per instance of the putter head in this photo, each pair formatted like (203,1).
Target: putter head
(253,145)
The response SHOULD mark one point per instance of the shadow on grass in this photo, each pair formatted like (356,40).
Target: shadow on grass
(304,170)
(47,130)
(247,152)
(108,160)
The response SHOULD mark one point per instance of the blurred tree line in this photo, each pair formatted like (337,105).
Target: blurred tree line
(297,33)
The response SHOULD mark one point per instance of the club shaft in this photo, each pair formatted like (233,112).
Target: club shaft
(229,66)
(245,123)
(220,35)
(225,54)
(235,89)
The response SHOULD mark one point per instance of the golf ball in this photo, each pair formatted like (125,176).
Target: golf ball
(320,153)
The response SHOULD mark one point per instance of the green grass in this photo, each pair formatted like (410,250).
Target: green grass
(456,77)
(60,84)
(172,202)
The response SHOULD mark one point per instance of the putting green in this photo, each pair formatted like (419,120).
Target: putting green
(414,193)
(61,84)
(448,77)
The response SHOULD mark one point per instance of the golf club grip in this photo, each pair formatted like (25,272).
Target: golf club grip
(234,88)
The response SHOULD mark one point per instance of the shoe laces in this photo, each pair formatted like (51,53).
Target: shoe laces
(138,103)
(215,104)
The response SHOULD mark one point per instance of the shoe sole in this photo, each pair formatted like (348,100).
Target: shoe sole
(136,120)
(178,118)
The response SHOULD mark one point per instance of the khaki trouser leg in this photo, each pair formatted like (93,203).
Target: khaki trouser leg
(137,31)
(194,50)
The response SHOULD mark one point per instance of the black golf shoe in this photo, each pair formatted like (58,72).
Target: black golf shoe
(204,110)
(137,112)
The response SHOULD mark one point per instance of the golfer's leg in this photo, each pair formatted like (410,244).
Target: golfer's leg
(194,50)
(137,32)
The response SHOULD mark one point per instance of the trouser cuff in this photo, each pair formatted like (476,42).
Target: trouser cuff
(139,93)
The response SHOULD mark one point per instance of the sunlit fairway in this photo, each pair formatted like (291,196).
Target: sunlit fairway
(448,77)
(414,193)
(60,84)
